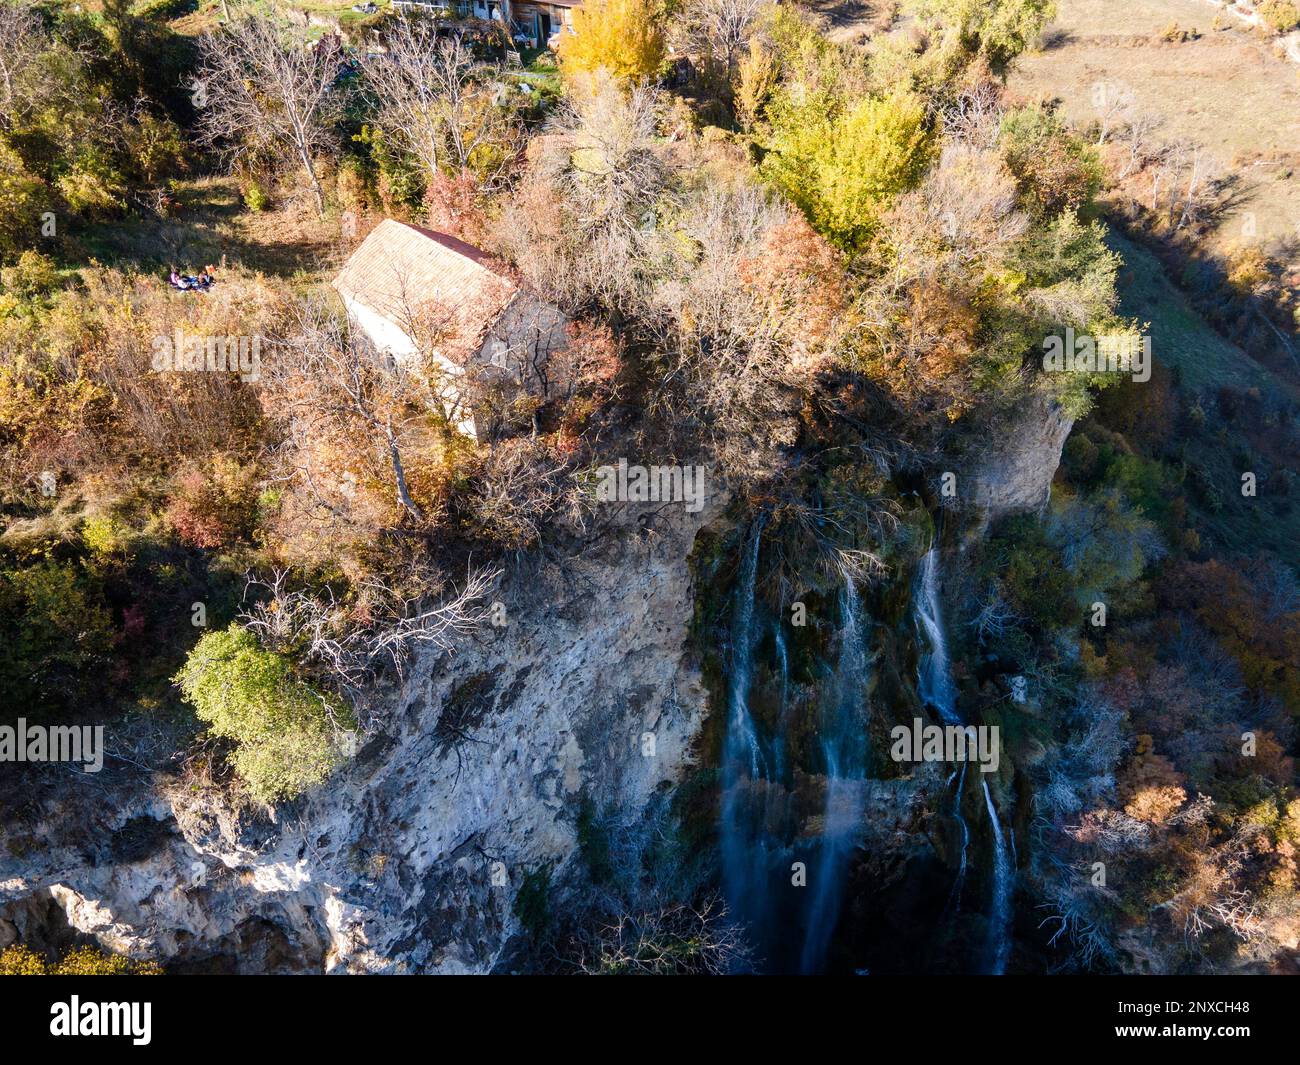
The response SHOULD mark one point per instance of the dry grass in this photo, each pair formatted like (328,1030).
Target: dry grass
(289,241)
(1226,90)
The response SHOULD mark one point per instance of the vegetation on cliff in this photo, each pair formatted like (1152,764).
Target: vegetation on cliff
(827,271)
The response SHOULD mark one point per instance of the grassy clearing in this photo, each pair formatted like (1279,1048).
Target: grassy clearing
(211,221)
(1219,453)
(1180,337)
(1226,90)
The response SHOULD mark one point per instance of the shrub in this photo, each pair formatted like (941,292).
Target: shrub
(1031,573)
(81,961)
(1248,269)
(1281,15)
(55,634)
(33,275)
(1056,170)
(284,731)
(215,507)
(533,903)
(255,197)
(22,199)
(92,185)
(106,537)
(21,961)
(998,31)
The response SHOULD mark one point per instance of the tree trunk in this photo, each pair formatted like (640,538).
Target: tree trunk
(316,188)
(399,474)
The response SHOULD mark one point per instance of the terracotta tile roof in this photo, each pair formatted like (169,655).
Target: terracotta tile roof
(403,272)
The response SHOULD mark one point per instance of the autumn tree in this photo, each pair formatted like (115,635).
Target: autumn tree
(1056,169)
(576,226)
(845,169)
(348,412)
(623,37)
(753,82)
(436,103)
(264,86)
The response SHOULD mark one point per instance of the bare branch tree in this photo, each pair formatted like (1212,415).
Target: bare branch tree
(22,41)
(719,29)
(325,370)
(672,939)
(1136,136)
(327,633)
(435,101)
(264,85)
(1115,108)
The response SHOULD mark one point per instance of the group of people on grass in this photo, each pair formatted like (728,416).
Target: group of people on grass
(194,282)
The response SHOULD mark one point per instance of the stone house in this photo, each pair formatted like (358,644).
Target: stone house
(444,309)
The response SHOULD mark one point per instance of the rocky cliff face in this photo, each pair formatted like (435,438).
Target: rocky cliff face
(1014,473)
(411,857)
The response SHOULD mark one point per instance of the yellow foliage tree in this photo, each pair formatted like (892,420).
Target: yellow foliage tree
(625,37)
(844,171)
(755,77)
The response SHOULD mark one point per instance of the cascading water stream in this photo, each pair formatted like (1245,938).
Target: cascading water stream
(935,681)
(783,671)
(740,727)
(744,861)
(842,735)
(936,687)
(954,897)
(762,831)
(999,942)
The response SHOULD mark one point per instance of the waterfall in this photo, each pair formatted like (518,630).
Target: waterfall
(740,726)
(935,685)
(999,942)
(744,873)
(954,897)
(935,681)
(763,827)
(843,740)
(783,671)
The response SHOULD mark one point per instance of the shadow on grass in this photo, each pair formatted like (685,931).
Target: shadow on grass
(210,221)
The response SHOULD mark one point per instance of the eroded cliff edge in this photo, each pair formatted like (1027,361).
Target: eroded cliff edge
(411,858)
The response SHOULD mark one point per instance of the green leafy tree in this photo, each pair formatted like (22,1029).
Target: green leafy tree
(285,731)
(844,170)
(999,30)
